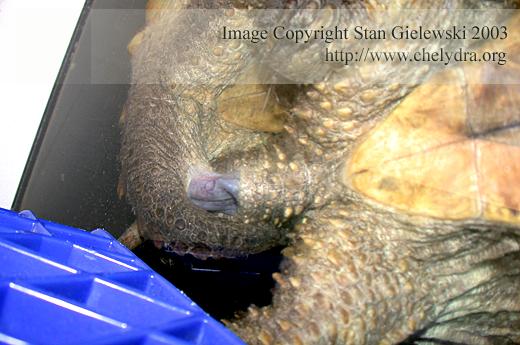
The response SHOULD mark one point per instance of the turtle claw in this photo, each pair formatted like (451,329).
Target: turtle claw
(131,238)
(214,193)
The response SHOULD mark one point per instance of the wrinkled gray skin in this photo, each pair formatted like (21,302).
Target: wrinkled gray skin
(355,272)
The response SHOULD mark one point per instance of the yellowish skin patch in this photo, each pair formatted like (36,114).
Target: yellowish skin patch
(252,106)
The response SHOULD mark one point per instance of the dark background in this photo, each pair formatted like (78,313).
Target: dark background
(73,168)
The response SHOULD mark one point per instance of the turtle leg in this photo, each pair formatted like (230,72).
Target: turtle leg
(163,129)
(340,284)
(354,275)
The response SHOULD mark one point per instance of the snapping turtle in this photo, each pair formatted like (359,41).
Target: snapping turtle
(398,203)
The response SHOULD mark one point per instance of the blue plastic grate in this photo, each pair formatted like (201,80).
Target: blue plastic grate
(61,285)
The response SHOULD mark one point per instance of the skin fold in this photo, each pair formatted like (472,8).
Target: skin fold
(356,271)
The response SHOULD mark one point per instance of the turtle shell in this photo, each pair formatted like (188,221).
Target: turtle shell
(451,149)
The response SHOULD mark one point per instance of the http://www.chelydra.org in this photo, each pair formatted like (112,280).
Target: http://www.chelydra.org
(399,202)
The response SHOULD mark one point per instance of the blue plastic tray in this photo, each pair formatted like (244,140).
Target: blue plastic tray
(61,285)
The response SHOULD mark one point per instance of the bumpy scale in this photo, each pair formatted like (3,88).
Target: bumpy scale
(398,204)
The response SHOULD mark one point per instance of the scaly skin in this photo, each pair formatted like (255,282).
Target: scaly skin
(358,274)
(355,272)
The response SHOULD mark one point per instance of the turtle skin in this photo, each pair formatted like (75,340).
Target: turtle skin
(385,242)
